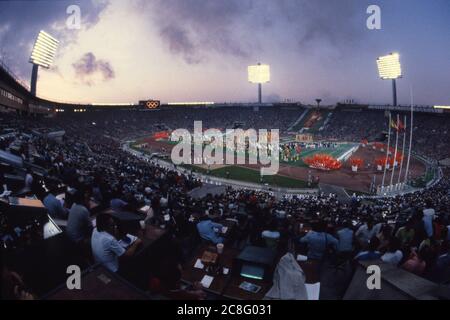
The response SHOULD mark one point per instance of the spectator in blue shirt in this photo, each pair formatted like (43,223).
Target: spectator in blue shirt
(318,241)
(79,226)
(105,247)
(345,237)
(54,206)
(209,230)
(371,253)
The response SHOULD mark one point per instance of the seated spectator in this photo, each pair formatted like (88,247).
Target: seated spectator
(384,236)
(406,234)
(28,183)
(318,241)
(106,249)
(271,235)
(443,261)
(371,253)
(54,206)
(393,254)
(425,243)
(416,262)
(79,226)
(209,230)
(118,204)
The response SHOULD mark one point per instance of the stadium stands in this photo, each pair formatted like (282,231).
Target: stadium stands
(88,169)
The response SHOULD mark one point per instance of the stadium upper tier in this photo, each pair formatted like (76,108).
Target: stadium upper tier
(343,122)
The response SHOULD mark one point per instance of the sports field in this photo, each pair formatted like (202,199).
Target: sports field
(251,175)
(295,174)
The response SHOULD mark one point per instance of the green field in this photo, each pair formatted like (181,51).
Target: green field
(251,175)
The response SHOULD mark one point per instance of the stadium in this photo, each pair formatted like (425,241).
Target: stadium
(94,206)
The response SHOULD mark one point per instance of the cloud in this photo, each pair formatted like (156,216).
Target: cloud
(194,28)
(179,42)
(88,68)
(327,22)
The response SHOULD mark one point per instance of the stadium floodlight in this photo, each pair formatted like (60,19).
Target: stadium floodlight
(389,68)
(44,51)
(442,107)
(259,74)
(191,103)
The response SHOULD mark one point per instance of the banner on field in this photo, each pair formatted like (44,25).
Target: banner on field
(304,137)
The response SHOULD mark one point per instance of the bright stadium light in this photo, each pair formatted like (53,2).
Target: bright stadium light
(442,107)
(259,74)
(389,68)
(44,51)
(192,103)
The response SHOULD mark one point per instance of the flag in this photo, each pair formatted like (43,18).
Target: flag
(394,124)
(398,126)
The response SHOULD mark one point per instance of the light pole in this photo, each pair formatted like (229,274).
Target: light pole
(259,74)
(389,68)
(318,102)
(42,55)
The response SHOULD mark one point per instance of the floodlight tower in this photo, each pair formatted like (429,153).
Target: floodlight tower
(42,55)
(389,68)
(259,74)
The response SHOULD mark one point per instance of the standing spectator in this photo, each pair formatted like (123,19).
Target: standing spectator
(345,237)
(367,231)
(318,241)
(428,216)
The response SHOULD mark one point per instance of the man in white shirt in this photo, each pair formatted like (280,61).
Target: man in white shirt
(367,231)
(428,216)
(106,249)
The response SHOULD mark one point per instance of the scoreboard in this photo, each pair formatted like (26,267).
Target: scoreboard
(150,104)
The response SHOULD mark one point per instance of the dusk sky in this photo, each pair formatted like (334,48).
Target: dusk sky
(199,50)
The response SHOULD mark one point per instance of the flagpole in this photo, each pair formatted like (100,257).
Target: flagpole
(387,151)
(403,149)
(396,149)
(410,136)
